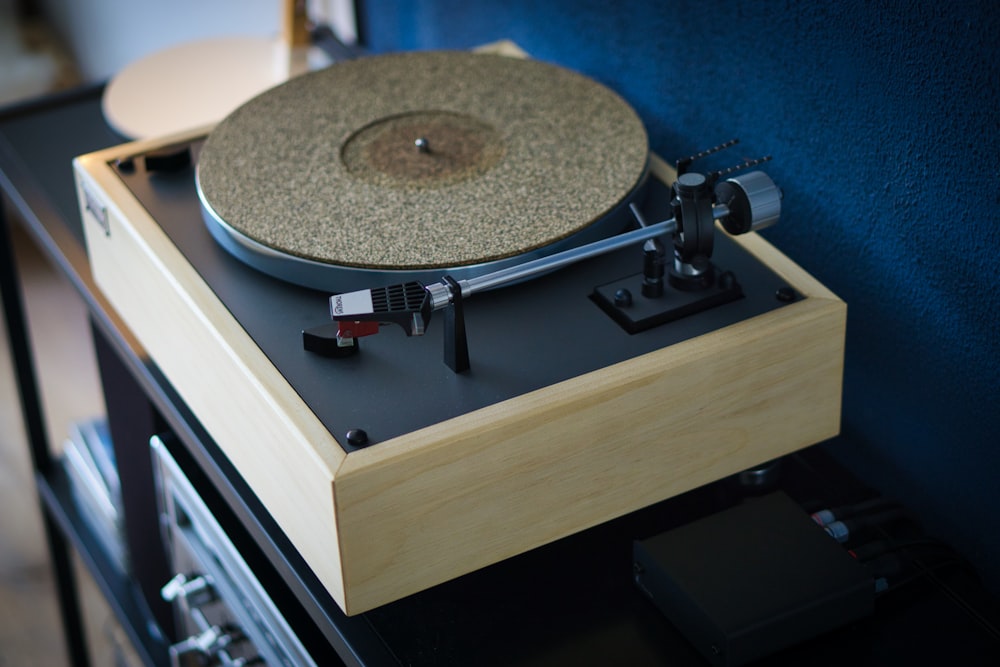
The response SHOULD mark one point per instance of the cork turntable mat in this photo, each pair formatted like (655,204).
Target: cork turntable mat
(422,160)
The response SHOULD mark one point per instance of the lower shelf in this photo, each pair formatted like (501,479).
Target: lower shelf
(123,597)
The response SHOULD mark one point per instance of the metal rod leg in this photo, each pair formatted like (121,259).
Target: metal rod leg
(41,461)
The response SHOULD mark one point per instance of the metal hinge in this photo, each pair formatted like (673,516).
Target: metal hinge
(96,209)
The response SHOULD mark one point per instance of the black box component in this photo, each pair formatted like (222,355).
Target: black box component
(751,580)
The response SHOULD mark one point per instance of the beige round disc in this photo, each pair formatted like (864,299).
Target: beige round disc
(422,160)
(190,85)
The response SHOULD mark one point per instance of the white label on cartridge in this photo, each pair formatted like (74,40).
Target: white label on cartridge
(351,303)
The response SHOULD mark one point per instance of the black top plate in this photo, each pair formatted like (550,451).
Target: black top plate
(521,338)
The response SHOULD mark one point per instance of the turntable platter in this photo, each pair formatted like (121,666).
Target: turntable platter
(419,162)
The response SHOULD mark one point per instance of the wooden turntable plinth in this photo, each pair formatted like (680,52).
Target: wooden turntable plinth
(381,523)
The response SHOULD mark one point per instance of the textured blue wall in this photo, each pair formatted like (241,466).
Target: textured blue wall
(884,126)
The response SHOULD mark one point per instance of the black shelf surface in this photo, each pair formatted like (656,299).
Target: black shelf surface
(125,600)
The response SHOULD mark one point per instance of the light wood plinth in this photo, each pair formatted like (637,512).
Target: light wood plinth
(384,522)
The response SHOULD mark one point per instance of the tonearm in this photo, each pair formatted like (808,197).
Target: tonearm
(746,202)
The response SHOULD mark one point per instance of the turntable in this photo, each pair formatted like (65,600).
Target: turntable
(612,333)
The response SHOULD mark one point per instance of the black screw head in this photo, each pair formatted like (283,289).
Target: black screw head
(623,298)
(357,437)
(785,294)
(727,280)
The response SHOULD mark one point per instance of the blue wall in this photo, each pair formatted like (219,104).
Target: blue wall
(884,127)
